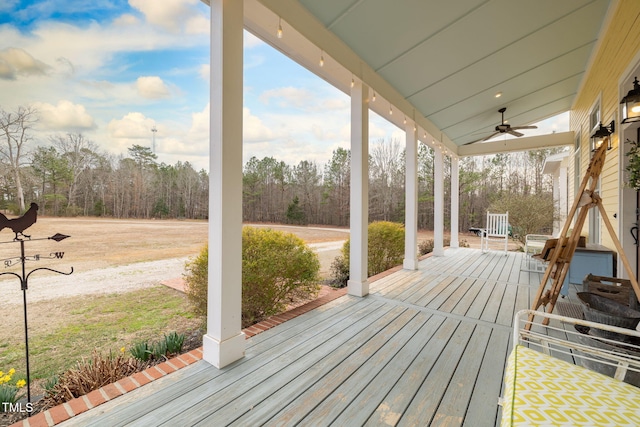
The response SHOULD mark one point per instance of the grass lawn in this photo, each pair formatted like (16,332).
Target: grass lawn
(65,330)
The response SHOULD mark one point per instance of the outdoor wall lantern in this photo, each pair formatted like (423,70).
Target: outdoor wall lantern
(631,104)
(602,132)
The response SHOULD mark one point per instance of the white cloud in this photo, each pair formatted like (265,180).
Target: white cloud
(205,71)
(172,15)
(251,41)
(198,25)
(199,131)
(303,100)
(377,130)
(15,61)
(91,46)
(131,126)
(287,97)
(126,20)
(152,87)
(335,104)
(323,132)
(173,141)
(253,129)
(65,116)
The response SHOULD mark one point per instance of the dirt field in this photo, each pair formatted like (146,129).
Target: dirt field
(97,243)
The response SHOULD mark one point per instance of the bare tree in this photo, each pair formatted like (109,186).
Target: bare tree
(386,176)
(80,154)
(15,128)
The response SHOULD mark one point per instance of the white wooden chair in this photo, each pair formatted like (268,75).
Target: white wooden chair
(534,243)
(496,230)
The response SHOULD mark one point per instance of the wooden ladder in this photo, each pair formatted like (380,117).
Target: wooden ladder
(559,252)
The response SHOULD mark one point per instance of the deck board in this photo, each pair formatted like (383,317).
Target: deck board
(372,396)
(215,394)
(488,389)
(427,399)
(379,352)
(427,347)
(453,407)
(396,402)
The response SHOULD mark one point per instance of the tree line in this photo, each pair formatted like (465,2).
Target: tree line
(69,175)
(308,193)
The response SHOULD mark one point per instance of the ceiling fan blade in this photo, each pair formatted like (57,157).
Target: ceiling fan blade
(514,133)
(525,127)
(491,136)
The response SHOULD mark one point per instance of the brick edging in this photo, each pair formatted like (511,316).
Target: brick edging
(78,405)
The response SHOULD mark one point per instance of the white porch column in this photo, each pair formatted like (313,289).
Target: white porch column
(438,203)
(411,198)
(358,283)
(224,341)
(455,202)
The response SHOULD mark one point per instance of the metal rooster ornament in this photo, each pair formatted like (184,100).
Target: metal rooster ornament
(18,225)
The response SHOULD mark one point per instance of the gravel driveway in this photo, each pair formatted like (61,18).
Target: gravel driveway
(99,281)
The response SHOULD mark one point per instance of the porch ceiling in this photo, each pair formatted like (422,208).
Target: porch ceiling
(447,59)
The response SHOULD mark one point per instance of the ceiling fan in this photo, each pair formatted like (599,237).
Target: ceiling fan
(507,128)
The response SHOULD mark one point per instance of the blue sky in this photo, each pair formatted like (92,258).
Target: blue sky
(113,69)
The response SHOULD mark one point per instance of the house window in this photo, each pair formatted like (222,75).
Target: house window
(577,178)
(594,220)
(594,120)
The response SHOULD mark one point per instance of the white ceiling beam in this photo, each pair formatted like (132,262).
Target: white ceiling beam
(557,139)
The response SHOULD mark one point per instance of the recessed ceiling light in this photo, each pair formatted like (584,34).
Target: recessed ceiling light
(498,95)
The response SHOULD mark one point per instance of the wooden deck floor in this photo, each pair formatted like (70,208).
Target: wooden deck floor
(426,347)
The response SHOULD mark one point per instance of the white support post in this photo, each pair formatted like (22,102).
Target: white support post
(438,203)
(455,202)
(224,341)
(358,283)
(410,261)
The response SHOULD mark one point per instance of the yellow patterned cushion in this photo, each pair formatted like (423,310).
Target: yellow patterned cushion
(544,391)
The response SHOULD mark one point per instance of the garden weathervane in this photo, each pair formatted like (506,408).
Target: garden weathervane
(18,226)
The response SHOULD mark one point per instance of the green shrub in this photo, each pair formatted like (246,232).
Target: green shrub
(159,350)
(195,282)
(50,383)
(174,342)
(531,213)
(426,246)
(277,268)
(170,345)
(339,272)
(385,250)
(141,351)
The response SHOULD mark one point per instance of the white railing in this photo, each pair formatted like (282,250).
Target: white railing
(614,357)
